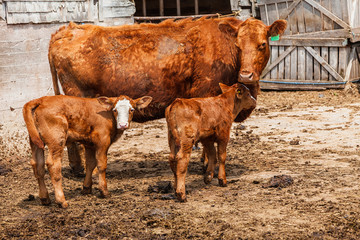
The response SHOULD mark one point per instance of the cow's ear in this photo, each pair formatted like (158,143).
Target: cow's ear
(106,102)
(277,28)
(228,28)
(142,102)
(224,88)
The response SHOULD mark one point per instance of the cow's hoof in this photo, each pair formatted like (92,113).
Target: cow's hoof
(222,183)
(45,201)
(181,197)
(207,178)
(86,190)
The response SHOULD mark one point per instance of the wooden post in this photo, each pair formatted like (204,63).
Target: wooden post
(161,4)
(144,7)
(196,7)
(178,10)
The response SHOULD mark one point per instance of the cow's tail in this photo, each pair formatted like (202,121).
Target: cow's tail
(53,73)
(172,128)
(30,123)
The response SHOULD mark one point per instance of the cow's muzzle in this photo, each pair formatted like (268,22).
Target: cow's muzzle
(247,77)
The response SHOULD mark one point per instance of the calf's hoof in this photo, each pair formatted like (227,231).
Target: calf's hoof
(86,190)
(45,201)
(105,194)
(208,178)
(181,197)
(222,183)
(63,204)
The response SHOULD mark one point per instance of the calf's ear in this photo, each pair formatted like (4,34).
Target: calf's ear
(224,87)
(142,102)
(277,28)
(106,102)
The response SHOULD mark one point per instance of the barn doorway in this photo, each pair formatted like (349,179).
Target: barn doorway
(158,10)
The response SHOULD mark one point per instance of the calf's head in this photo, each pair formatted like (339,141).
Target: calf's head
(123,108)
(243,99)
(252,40)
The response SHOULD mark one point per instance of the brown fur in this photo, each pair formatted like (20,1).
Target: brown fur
(207,120)
(56,121)
(186,58)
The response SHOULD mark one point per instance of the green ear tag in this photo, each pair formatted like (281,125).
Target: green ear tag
(275,38)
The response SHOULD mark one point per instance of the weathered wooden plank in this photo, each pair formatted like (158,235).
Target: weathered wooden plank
(310,23)
(328,13)
(344,54)
(318,42)
(263,2)
(118,3)
(325,56)
(282,6)
(317,67)
(300,18)
(274,56)
(324,63)
(301,63)
(281,65)
(311,33)
(317,19)
(300,85)
(350,64)
(115,12)
(286,13)
(337,9)
(294,64)
(333,60)
(287,61)
(276,61)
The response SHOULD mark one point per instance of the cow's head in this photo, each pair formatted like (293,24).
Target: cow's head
(123,108)
(252,40)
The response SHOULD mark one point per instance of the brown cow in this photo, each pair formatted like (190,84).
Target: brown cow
(57,120)
(207,120)
(186,58)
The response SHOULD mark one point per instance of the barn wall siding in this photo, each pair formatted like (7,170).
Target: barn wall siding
(25,30)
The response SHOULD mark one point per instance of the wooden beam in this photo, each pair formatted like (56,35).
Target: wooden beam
(324,64)
(337,33)
(328,14)
(196,2)
(274,63)
(173,17)
(286,13)
(286,84)
(161,6)
(178,9)
(311,42)
(349,66)
(144,7)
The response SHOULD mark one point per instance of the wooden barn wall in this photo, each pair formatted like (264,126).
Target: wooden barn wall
(25,31)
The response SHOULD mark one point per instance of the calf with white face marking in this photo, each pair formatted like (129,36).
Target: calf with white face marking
(56,121)
(209,121)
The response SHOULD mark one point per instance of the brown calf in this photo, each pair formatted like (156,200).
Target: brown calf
(58,120)
(207,120)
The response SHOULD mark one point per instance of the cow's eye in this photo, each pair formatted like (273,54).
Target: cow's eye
(114,110)
(262,46)
(132,109)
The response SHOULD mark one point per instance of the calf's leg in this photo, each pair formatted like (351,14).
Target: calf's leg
(210,152)
(90,166)
(38,164)
(75,159)
(101,159)
(53,163)
(182,162)
(173,152)
(222,158)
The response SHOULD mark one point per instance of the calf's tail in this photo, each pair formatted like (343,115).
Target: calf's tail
(30,123)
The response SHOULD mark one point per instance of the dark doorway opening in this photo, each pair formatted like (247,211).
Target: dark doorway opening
(158,10)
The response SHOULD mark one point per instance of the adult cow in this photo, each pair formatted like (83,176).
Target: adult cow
(186,58)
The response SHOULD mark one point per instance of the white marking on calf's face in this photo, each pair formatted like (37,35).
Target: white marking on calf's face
(122,108)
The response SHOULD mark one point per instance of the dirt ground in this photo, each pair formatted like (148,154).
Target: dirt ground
(310,136)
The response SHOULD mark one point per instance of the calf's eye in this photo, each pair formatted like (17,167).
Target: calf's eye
(132,109)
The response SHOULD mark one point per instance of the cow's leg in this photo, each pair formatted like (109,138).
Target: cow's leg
(53,163)
(90,166)
(75,159)
(222,158)
(101,160)
(182,161)
(210,152)
(38,164)
(204,160)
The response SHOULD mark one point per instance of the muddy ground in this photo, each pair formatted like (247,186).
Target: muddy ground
(313,137)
